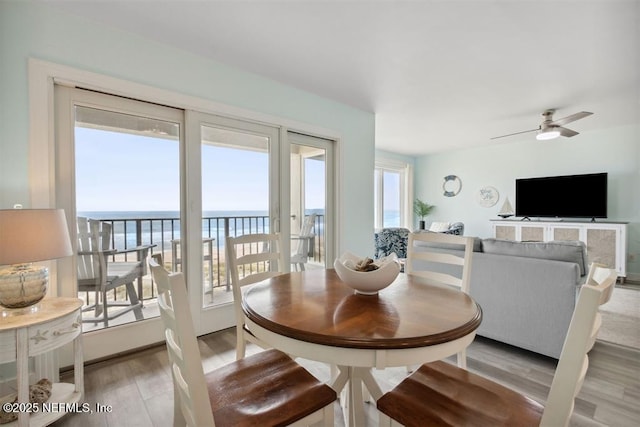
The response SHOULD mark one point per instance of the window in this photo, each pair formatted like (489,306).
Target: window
(392,194)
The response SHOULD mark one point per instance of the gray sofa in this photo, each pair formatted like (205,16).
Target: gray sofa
(527,290)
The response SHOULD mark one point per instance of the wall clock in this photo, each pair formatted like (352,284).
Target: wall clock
(451,185)
(487,196)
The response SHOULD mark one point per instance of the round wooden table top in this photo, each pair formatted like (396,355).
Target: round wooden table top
(317,307)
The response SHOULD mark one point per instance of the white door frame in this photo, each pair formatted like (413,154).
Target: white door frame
(216,317)
(328,146)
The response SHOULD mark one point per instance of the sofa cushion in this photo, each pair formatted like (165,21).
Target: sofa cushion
(477,244)
(569,251)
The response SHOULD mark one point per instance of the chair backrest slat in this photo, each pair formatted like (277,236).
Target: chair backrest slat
(255,258)
(307,225)
(574,360)
(425,259)
(182,345)
(94,238)
(302,247)
(252,258)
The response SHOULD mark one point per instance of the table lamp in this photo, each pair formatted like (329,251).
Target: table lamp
(26,236)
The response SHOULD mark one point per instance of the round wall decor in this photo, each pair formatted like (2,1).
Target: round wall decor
(451,185)
(487,196)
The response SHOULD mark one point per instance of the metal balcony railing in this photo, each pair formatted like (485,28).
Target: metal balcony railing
(165,236)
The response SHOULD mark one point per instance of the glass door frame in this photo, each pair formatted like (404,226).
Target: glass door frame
(205,317)
(107,341)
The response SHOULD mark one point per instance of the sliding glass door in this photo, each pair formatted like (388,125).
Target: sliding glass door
(118,179)
(238,164)
(178,183)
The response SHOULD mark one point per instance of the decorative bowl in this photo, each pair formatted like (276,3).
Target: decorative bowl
(367,282)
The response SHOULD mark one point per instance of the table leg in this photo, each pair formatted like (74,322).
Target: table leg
(355,398)
(370,383)
(340,378)
(349,384)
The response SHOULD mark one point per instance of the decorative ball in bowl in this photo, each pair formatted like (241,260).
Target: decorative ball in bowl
(375,275)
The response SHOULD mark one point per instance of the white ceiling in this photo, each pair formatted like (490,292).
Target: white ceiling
(439,75)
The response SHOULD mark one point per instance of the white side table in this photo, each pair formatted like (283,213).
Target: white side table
(56,322)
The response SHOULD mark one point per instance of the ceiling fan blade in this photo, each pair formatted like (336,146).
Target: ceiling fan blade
(567,132)
(571,118)
(517,133)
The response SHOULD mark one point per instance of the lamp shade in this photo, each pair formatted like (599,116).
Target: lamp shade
(30,235)
(27,236)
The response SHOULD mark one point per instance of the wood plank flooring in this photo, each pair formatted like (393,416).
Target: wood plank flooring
(138,386)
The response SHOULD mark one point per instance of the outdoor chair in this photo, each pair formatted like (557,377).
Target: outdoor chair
(304,243)
(250,258)
(440,394)
(425,260)
(99,273)
(266,389)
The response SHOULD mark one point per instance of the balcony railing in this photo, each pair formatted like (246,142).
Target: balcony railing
(165,236)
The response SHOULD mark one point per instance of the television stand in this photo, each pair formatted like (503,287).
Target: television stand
(556,219)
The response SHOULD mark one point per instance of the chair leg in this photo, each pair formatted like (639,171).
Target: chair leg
(133,298)
(328,415)
(178,416)
(462,359)
(98,304)
(241,346)
(105,312)
(383,420)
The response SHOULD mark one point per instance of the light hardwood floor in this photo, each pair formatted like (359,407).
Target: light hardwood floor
(138,386)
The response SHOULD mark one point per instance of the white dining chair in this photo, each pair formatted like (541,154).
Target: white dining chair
(441,394)
(425,258)
(266,389)
(250,258)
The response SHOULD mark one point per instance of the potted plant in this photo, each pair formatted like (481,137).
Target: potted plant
(422,209)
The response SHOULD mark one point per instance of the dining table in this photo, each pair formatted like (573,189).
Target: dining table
(314,315)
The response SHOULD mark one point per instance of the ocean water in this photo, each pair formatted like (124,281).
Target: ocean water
(391,218)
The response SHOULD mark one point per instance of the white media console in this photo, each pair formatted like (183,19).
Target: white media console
(606,241)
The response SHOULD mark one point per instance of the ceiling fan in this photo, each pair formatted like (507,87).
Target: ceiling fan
(550,129)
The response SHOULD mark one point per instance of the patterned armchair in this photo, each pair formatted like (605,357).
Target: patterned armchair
(392,239)
(456,228)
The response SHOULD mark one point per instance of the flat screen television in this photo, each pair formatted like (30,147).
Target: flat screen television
(569,196)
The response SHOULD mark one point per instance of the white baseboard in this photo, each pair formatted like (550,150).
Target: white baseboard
(633,277)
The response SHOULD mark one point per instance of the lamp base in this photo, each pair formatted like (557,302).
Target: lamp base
(23,285)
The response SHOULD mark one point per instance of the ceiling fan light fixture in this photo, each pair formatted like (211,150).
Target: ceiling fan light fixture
(544,135)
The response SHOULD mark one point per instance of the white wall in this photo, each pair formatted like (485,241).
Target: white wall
(616,151)
(35,30)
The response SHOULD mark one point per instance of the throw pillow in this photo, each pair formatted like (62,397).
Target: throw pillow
(439,227)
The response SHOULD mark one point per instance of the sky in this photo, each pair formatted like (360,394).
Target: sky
(124,172)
